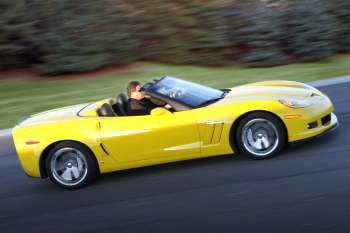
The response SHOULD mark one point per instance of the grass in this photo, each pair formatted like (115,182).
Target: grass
(22,94)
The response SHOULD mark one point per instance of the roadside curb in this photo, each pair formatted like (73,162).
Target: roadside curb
(6,142)
(330,81)
(5,132)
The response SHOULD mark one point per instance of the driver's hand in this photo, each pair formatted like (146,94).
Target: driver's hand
(167,106)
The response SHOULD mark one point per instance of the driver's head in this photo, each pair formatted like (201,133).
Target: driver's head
(134,90)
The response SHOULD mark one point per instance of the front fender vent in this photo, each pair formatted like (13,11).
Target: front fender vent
(326,119)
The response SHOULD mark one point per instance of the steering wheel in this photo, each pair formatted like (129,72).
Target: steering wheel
(176,94)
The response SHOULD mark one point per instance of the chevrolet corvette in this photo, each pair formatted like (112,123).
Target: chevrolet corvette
(72,145)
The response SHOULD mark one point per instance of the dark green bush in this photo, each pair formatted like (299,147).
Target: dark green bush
(16,31)
(61,36)
(82,35)
(180,32)
(310,29)
(341,10)
(255,31)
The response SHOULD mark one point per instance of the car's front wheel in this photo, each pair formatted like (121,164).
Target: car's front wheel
(260,135)
(70,165)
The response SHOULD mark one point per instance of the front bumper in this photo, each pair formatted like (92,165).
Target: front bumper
(311,121)
(327,131)
(302,132)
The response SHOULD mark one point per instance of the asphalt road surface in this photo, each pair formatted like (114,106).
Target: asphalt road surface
(305,189)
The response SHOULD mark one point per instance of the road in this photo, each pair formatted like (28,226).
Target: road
(305,189)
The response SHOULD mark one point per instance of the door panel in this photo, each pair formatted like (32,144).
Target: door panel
(133,138)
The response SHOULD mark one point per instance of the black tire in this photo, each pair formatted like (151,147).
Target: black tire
(268,130)
(67,159)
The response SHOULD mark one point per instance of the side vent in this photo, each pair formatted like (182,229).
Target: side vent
(326,119)
(211,132)
(217,133)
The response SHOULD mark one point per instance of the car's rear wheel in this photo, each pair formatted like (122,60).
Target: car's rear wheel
(260,135)
(70,165)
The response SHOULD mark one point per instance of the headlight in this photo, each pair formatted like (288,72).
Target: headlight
(293,103)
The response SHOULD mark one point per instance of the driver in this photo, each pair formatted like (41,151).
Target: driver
(137,103)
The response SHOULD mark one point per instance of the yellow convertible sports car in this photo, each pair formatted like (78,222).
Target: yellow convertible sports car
(72,145)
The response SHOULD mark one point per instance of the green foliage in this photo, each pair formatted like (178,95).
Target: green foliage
(209,41)
(255,31)
(82,35)
(15,33)
(63,36)
(341,10)
(310,29)
(181,31)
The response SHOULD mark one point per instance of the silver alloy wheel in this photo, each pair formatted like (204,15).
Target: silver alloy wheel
(260,137)
(69,166)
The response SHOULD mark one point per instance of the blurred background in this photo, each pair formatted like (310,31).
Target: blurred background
(61,52)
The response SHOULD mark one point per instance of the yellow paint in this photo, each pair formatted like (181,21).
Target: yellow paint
(136,141)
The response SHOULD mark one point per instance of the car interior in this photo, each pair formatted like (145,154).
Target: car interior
(118,107)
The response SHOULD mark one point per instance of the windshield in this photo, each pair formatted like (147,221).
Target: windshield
(188,93)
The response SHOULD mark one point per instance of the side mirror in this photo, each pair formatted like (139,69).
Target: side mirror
(160,111)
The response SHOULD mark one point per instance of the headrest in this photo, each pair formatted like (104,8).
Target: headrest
(121,98)
(105,110)
(120,106)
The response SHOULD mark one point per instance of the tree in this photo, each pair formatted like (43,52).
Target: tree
(82,35)
(255,31)
(341,10)
(310,30)
(209,42)
(180,31)
(16,32)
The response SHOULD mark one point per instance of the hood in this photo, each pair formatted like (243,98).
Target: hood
(269,90)
(58,114)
